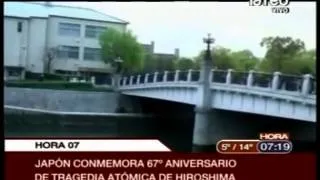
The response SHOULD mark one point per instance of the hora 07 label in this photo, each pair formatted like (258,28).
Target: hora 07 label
(56,145)
(277,6)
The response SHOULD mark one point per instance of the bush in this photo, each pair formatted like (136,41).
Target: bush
(53,77)
(46,76)
(47,84)
(31,75)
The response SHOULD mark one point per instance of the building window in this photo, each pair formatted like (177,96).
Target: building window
(68,29)
(14,73)
(71,52)
(92,54)
(94,31)
(19,27)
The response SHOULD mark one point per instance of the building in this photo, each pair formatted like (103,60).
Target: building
(32,31)
(149,49)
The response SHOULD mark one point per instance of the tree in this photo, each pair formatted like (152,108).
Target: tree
(115,44)
(155,63)
(283,54)
(164,64)
(50,56)
(264,66)
(185,64)
(245,60)
(280,50)
(150,64)
(304,62)
(222,58)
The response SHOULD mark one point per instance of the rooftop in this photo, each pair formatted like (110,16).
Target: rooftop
(27,10)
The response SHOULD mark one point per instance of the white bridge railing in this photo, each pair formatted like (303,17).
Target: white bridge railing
(305,84)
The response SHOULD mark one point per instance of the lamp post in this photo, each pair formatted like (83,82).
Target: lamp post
(202,135)
(208,41)
(205,73)
(118,63)
(117,76)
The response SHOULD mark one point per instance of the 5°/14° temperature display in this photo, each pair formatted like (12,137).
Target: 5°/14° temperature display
(254,146)
(237,146)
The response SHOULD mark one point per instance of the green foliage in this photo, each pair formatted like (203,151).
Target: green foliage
(46,76)
(224,58)
(288,56)
(115,44)
(280,50)
(283,54)
(264,66)
(53,77)
(185,64)
(150,64)
(165,64)
(56,85)
(245,60)
(307,62)
(155,63)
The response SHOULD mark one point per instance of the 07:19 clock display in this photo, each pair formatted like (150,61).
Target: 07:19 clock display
(274,146)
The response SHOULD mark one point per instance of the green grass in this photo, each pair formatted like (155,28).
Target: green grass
(56,85)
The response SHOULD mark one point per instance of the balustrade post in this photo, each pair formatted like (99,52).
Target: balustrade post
(275,80)
(189,77)
(176,76)
(146,78)
(138,79)
(131,80)
(250,78)
(155,76)
(124,81)
(229,76)
(306,84)
(165,76)
(113,81)
(211,74)
(93,80)
(119,82)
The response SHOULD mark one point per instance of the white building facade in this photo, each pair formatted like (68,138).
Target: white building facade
(70,34)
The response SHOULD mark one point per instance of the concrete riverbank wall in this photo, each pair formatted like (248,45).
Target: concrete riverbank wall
(67,101)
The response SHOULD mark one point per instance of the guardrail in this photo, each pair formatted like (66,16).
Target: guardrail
(305,84)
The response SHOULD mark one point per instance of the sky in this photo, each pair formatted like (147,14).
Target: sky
(234,25)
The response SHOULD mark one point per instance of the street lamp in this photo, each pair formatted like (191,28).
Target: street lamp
(118,62)
(207,61)
(118,70)
(208,41)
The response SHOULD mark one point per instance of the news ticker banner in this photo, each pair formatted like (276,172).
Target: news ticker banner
(98,159)
(268,143)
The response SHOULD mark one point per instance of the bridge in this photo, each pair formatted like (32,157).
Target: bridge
(279,95)
(276,95)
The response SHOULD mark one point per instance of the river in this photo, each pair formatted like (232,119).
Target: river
(40,125)
(175,131)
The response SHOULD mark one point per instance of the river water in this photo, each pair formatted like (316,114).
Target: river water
(44,125)
(175,131)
